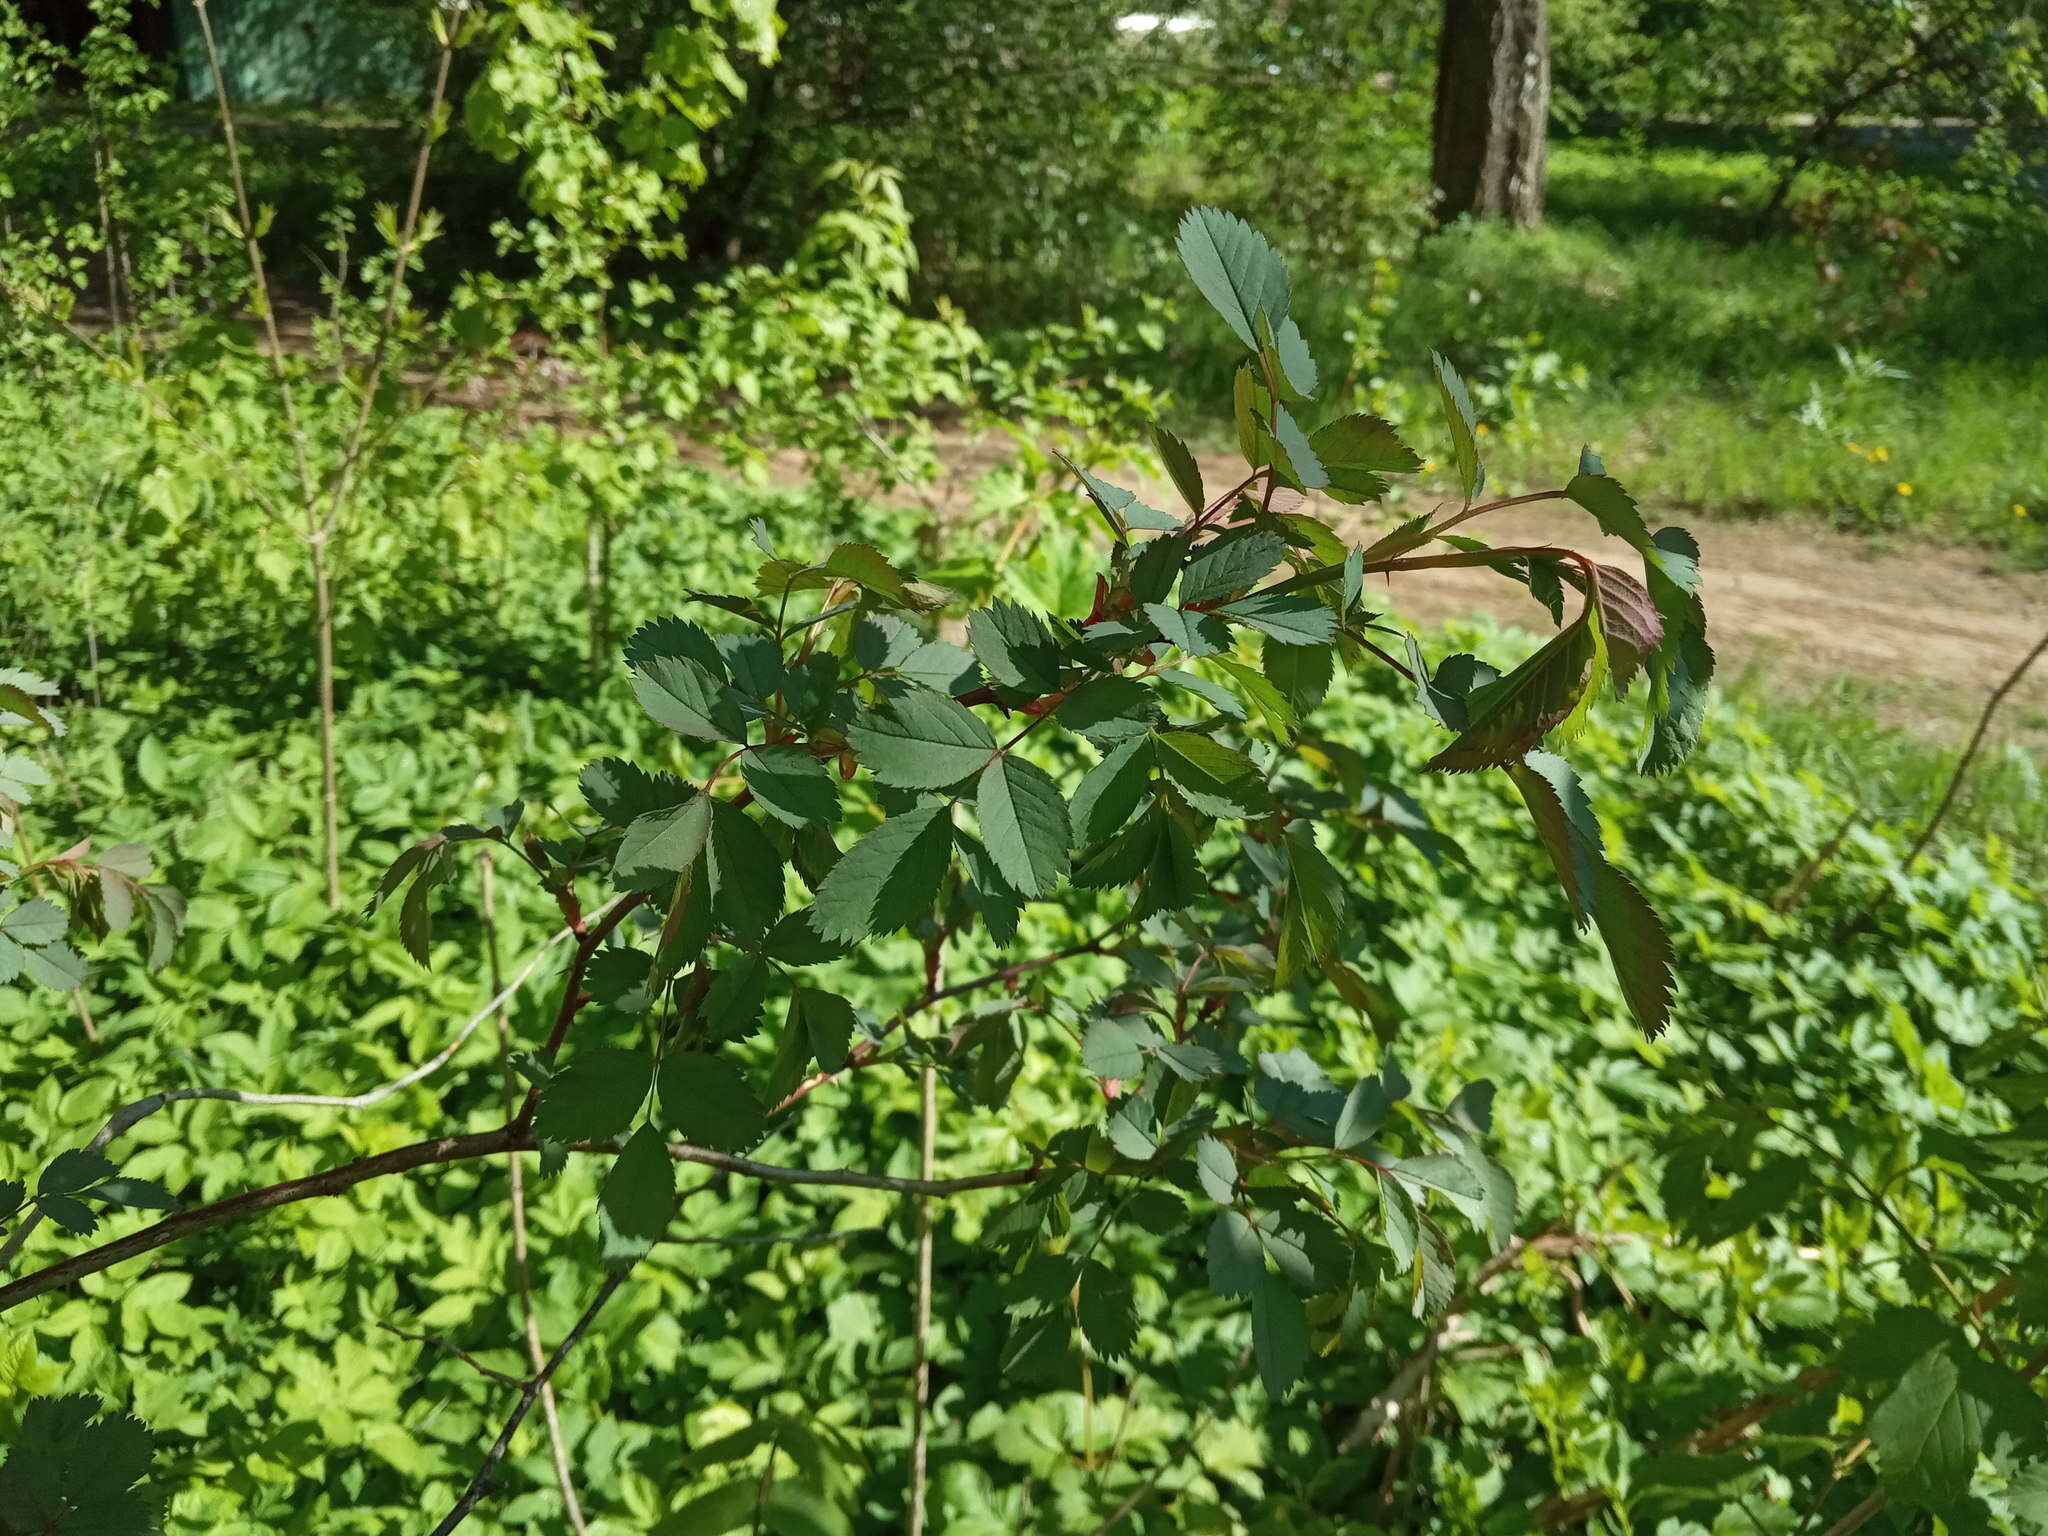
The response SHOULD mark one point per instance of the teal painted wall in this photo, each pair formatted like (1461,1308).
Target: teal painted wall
(309,53)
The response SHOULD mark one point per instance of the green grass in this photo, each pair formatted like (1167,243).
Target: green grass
(1842,734)
(1730,376)
(1712,368)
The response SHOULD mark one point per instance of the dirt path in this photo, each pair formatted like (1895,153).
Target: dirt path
(1930,629)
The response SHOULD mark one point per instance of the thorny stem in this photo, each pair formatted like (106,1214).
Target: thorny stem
(456,1149)
(1469,513)
(573,997)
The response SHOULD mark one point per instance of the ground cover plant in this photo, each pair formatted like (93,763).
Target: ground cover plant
(1220,1073)
(975,1022)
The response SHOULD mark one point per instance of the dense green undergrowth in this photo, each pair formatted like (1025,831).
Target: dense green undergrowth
(1670,1273)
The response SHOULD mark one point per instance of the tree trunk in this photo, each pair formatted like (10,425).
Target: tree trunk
(1492,110)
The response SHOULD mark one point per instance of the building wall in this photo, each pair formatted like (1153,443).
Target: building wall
(307,53)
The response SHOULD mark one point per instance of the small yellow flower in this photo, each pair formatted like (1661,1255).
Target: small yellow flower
(1429,466)
(1905,487)
(1855,447)
(1879,454)
(2019,509)
(1480,429)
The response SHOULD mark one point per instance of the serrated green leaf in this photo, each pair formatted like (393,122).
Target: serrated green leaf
(1214,694)
(1928,1431)
(1292,618)
(73,1170)
(1230,564)
(1110,791)
(1365,1111)
(1173,874)
(1195,634)
(1263,696)
(688,698)
(791,785)
(943,668)
(1115,1048)
(1015,648)
(661,845)
(139,1194)
(1121,508)
(1507,717)
(1463,424)
(888,877)
(1216,1169)
(1637,944)
(1213,778)
(1235,270)
(34,922)
(1237,1263)
(595,1097)
(1126,856)
(1279,1335)
(1297,458)
(1181,468)
(1297,365)
(69,1212)
(828,1021)
(1244,398)
(640,1187)
(1315,906)
(1109,710)
(676,638)
(57,966)
(620,792)
(707,1099)
(1612,507)
(1108,1311)
(731,1009)
(1024,822)
(1000,903)
(922,740)
(1300,673)
(1358,452)
(746,873)
(865,566)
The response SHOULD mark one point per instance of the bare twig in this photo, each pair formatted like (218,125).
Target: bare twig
(480,1484)
(126,1117)
(401,260)
(456,1350)
(921,1386)
(452,1149)
(1860,1516)
(423,1154)
(868,1051)
(522,1270)
(1955,779)
(1180,1451)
